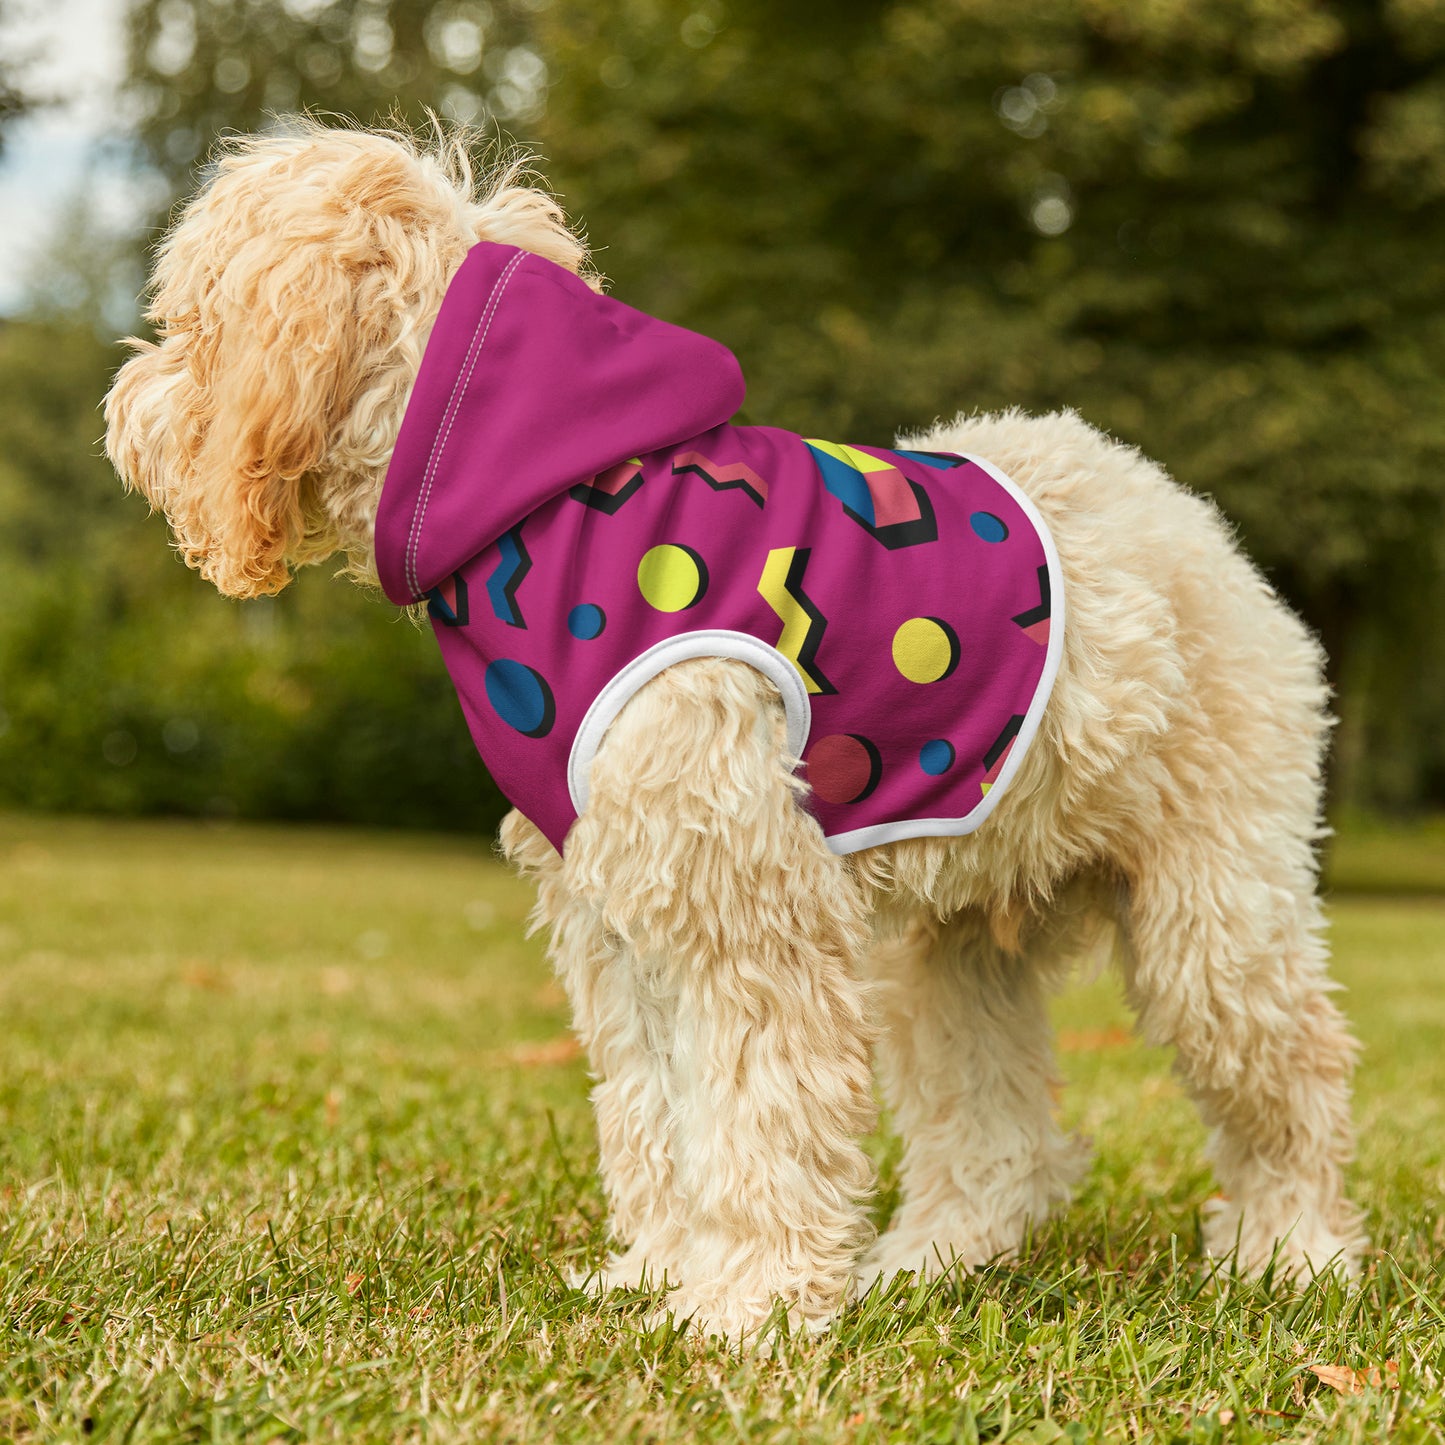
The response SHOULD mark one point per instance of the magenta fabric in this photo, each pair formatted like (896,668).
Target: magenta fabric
(569,497)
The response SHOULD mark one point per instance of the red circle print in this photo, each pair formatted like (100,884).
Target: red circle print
(843,768)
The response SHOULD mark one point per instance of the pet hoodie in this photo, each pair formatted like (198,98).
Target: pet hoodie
(569,496)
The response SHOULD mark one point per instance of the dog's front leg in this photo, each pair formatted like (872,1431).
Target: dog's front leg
(622,1012)
(742,931)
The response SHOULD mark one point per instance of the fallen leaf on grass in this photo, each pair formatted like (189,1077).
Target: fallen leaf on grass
(1355,1382)
(196,974)
(551,1051)
(1083,1041)
(335,982)
(354,1283)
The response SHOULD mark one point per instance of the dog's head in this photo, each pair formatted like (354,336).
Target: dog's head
(292,301)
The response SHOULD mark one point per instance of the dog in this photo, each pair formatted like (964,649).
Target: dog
(731,974)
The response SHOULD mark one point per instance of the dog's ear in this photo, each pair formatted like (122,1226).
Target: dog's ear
(293,299)
(221,423)
(277,358)
(287,301)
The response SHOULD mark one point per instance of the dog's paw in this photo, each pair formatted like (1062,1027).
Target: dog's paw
(964,1229)
(899,1252)
(881,1272)
(633,1270)
(1299,1246)
(751,1324)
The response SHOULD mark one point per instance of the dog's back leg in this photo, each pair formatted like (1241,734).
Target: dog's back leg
(966,1061)
(742,933)
(1226,959)
(1226,963)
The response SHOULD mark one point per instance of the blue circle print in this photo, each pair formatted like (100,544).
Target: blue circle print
(521,697)
(586,621)
(988,527)
(936,757)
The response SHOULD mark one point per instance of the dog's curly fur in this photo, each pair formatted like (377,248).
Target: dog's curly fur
(729,975)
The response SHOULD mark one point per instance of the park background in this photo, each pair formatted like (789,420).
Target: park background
(294,1140)
(1216,228)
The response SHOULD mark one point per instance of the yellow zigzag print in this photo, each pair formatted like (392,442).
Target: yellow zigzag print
(781,587)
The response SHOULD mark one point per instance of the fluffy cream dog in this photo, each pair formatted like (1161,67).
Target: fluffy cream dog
(730,976)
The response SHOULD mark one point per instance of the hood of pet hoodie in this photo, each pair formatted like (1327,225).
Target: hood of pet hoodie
(531,382)
(569,497)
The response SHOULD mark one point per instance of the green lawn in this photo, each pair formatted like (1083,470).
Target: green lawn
(292,1147)
(1370,856)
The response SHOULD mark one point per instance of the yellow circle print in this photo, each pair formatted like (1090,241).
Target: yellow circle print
(925,649)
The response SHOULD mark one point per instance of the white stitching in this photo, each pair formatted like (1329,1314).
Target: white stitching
(474,350)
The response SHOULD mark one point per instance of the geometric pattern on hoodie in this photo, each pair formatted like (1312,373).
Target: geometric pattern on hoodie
(570,497)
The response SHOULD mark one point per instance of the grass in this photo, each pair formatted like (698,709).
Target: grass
(292,1146)
(1369,855)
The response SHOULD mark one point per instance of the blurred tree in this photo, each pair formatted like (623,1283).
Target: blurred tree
(201,67)
(127,685)
(1217,227)
(14,100)
(57,494)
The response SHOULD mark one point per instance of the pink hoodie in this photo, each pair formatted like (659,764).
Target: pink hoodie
(569,497)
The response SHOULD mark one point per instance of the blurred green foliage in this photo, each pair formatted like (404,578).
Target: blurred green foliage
(127,685)
(1215,227)
(14,100)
